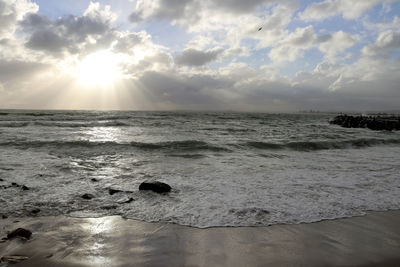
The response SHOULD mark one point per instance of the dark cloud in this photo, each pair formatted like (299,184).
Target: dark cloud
(69,33)
(166,9)
(81,27)
(12,70)
(324,38)
(226,90)
(193,57)
(190,10)
(239,6)
(184,91)
(33,20)
(47,40)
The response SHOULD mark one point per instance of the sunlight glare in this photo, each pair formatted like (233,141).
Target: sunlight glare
(99,69)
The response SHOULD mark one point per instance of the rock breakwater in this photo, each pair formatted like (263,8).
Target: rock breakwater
(376,123)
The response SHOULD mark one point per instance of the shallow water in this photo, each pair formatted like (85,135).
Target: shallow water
(239,169)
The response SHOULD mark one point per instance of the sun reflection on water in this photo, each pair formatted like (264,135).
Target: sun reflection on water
(104,134)
(100,229)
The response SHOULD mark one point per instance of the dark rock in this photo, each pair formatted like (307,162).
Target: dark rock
(129,200)
(20,232)
(110,207)
(35,211)
(377,123)
(24,187)
(4,216)
(94,180)
(13,259)
(156,186)
(87,196)
(125,200)
(15,184)
(1,180)
(113,191)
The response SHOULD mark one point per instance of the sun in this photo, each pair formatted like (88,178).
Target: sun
(102,68)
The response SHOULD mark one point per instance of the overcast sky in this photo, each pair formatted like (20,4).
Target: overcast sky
(254,55)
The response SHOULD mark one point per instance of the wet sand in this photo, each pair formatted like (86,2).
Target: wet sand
(371,240)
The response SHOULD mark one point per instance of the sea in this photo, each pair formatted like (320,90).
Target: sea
(225,168)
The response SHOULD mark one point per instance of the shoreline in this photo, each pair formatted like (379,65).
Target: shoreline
(370,240)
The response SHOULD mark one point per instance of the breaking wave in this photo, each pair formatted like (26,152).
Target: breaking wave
(195,145)
(186,145)
(321,145)
(63,124)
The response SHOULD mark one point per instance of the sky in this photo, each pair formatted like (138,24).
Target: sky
(254,55)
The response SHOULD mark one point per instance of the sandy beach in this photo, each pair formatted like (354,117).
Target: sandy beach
(371,240)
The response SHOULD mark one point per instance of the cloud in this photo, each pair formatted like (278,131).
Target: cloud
(141,53)
(239,87)
(221,24)
(12,11)
(296,43)
(385,44)
(336,43)
(349,9)
(274,25)
(193,57)
(380,27)
(231,20)
(373,74)
(293,46)
(47,40)
(175,90)
(10,71)
(161,9)
(69,34)
(189,10)
(127,42)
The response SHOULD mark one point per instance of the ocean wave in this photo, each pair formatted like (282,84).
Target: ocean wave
(82,124)
(16,124)
(179,145)
(34,114)
(321,145)
(188,156)
(196,145)
(91,117)
(186,145)
(230,130)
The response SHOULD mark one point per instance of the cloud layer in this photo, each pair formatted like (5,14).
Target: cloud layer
(259,55)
